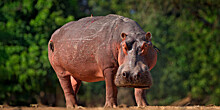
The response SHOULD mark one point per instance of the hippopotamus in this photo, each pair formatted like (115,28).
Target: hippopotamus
(108,48)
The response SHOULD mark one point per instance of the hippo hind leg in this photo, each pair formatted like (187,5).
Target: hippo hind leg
(69,85)
(75,84)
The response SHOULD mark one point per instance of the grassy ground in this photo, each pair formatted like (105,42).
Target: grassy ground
(120,108)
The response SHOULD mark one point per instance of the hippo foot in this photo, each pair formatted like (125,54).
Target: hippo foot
(70,106)
(142,103)
(71,103)
(110,105)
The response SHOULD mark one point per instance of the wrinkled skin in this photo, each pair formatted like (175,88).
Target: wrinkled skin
(111,48)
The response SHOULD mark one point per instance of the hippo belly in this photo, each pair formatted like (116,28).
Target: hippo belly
(84,70)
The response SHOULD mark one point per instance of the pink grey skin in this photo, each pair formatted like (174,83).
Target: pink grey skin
(110,48)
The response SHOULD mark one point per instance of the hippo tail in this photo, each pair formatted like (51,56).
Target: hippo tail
(51,46)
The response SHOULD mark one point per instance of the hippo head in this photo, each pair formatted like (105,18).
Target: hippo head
(136,58)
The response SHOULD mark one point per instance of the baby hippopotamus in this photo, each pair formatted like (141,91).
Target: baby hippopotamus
(112,48)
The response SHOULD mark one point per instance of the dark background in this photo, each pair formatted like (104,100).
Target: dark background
(186,31)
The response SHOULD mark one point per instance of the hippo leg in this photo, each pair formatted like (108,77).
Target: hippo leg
(65,82)
(140,97)
(75,84)
(68,91)
(111,89)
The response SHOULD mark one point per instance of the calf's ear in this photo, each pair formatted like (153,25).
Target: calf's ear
(148,36)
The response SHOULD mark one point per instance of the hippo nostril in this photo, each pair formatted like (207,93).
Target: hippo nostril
(125,74)
(137,75)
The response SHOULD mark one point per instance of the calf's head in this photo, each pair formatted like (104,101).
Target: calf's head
(136,58)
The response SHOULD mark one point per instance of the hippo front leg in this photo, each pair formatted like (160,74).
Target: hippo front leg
(140,97)
(111,89)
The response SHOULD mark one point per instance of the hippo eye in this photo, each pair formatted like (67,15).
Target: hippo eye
(124,48)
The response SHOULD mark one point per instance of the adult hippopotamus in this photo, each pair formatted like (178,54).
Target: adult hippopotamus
(111,48)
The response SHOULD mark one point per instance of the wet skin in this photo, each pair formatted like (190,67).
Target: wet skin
(111,48)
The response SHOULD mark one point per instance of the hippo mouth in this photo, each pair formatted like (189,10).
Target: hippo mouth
(143,84)
(133,84)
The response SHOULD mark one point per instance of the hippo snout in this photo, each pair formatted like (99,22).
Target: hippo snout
(133,78)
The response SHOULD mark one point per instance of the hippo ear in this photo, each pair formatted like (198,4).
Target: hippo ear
(148,36)
(123,36)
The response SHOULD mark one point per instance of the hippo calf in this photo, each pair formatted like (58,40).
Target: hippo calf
(110,48)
